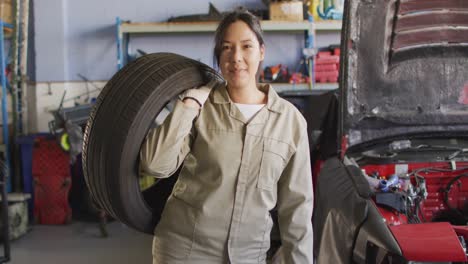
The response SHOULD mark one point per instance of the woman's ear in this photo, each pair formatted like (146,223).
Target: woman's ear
(262,52)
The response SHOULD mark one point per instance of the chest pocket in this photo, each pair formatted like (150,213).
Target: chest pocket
(275,156)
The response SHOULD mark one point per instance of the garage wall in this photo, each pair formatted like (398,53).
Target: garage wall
(45,97)
(78,37)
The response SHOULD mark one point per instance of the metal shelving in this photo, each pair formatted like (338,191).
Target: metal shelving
(331,25)
(124,29)
(301,87)
(5,167)
(198,27)
(17,37)
(3,82)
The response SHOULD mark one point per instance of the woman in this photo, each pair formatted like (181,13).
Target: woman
(244,151)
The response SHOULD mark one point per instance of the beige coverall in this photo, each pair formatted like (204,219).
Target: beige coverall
(233,174)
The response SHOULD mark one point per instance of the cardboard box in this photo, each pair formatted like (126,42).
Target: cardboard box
(6,11)
(287,11)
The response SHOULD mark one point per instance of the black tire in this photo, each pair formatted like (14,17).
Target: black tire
(117,126)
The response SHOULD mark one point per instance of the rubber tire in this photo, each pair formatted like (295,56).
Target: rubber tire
(123,113)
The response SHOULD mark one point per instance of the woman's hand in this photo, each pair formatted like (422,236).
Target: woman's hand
(196,97)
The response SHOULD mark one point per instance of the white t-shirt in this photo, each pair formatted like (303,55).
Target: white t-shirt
(249,110)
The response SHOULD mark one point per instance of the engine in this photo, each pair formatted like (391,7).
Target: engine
(420,192)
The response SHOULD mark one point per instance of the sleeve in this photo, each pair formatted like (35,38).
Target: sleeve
(167,145)
(295,206)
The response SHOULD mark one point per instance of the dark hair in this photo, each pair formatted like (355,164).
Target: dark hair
(239,15)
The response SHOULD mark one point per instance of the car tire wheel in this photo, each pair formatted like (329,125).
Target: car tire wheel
(124,111)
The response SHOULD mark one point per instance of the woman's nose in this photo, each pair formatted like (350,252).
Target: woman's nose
(236,55)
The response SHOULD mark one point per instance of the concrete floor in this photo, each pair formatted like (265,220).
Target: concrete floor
(81,243)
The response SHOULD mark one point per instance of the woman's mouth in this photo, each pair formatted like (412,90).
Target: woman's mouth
(237,70)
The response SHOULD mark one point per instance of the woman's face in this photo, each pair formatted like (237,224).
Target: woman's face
(241,55)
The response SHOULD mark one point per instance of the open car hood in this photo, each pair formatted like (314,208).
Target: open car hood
(404,68)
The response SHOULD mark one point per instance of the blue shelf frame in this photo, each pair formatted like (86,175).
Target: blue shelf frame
(3,80)
(119,37)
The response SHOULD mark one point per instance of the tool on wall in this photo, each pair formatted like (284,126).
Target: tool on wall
(215,15)
(86,85)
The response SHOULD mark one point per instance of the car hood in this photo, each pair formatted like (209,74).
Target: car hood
(404,68)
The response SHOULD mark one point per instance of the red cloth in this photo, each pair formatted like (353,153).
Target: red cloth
(52,182)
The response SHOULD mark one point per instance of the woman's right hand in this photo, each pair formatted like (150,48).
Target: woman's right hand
(196,97)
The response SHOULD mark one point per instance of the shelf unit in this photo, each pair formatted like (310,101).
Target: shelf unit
(300,87)
(5,27)
(16,34)
(185,27)
(5,167)
(125,28)
(16,56)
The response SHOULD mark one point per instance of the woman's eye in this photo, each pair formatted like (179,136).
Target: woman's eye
(248,46)
(225,47)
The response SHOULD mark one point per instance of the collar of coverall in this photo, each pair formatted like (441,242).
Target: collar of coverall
(221,96)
